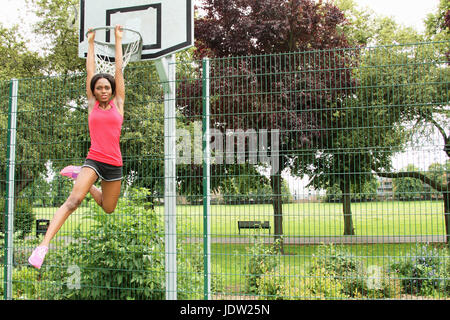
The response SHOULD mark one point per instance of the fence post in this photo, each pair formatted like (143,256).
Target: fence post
(9,203)
(206,184)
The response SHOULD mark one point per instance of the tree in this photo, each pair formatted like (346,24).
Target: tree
(408,188)
(438,25)
(361,138)
(369,130)
(435,112)
(51,100)
(437,172)
(368,28)
(55,24)
(16,61)
(300,106)
(366,192)
(244,183)
(361,26)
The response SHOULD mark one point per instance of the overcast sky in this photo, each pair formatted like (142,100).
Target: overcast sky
(408,12)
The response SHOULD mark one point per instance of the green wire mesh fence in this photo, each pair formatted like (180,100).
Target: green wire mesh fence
(305,175)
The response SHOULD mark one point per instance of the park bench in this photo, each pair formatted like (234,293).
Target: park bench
(253,225)
(41,226)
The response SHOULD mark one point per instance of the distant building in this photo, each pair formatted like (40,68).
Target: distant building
(385,188)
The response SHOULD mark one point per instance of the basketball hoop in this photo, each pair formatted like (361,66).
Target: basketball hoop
(105,51)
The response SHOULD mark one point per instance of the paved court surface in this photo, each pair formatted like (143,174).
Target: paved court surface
(324,240)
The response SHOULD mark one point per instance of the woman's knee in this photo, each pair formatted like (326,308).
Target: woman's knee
(73,202)
(109,208)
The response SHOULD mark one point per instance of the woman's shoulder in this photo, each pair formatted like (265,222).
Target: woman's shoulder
(92,103)
(118,104)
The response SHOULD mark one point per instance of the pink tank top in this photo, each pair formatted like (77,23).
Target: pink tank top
(104,128)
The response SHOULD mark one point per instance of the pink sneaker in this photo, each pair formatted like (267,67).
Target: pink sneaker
(71,171)
(37,257)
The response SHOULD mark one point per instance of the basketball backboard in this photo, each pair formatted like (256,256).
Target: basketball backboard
(166,26)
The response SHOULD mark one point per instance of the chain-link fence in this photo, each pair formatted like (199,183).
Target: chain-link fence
(306,175)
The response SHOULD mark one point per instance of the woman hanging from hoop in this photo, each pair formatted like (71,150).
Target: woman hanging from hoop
(106,96)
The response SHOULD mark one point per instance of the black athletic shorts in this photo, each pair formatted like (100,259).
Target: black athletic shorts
(105,171)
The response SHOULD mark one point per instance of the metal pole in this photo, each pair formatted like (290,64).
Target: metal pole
(170,178)
(9,205)
(206,185)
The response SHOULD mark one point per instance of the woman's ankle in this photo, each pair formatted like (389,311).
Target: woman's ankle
(44,244)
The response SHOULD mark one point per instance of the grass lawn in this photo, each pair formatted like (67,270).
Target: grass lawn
(393,218)
(321,219)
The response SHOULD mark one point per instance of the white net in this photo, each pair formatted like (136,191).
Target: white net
(105,52)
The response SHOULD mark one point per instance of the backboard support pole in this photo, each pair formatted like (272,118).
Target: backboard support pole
(167,72)
(162,67)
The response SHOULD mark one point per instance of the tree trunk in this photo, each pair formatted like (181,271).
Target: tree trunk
(151,198)
(20,184)
(277,202)
(346,203)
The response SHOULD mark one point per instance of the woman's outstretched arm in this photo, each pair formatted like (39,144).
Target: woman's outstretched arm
(90,64)
(120,82)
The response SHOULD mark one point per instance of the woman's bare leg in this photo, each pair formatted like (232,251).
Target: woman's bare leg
(83,184)
(108,200)
(110,194)
(96,193)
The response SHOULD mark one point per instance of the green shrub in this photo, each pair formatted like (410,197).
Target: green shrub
(120,257)
(262,259)
(323,284)
(22,249)
(30,285)
(189,275)
(2,292)
(23,216)
(27,285)
(425,271)
(334,273)
(271,286)
(335,264)
(446,279)
(2,214)
(24,283)
(386,285)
